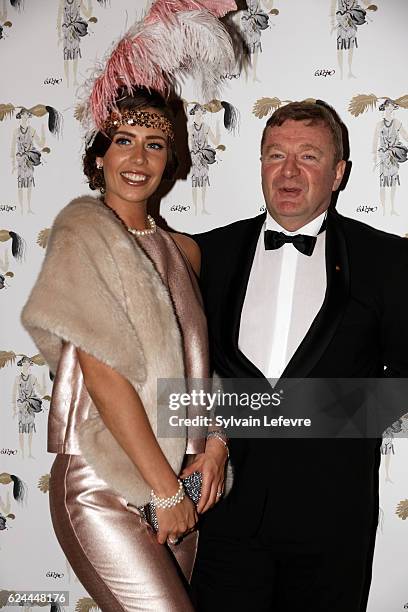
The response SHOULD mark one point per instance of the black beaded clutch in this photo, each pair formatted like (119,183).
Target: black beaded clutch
(192,485)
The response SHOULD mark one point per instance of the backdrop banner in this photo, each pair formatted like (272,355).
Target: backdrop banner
(349,53)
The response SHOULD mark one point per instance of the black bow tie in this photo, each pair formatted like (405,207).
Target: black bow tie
(304,244)
(301,242)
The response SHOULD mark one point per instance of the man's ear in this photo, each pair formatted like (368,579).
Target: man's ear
(340,169)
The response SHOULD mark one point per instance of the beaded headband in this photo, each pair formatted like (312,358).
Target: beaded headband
(142,118)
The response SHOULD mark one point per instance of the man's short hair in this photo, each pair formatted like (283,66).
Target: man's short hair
(315,113)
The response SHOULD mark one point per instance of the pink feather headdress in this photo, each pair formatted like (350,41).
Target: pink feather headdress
(175,38)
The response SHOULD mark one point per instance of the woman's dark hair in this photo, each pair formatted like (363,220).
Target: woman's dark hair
(140,98)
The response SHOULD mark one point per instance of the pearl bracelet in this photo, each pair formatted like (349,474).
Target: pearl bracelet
(221,436)
(168,502)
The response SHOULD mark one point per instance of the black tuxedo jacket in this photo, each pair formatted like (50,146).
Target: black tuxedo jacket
(361,328)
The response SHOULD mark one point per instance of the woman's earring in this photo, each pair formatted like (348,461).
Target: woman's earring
(99,166)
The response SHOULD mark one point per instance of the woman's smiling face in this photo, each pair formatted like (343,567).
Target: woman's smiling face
(133,165)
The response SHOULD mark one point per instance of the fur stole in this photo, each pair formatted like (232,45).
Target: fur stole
(99,291)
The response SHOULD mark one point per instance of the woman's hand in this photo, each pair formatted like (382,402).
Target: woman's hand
(212,466)
(176,522)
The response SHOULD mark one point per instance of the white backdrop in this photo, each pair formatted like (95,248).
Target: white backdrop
(294,56)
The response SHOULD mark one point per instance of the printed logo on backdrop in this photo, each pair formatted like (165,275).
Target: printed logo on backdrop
(346,17)
(389,147)
(27,146)
(73,19)
(12,247)
(205,144)
(181,208)
(28,396)
(14,497)
(253,24)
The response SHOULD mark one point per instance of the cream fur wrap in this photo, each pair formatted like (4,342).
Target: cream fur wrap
(99,291)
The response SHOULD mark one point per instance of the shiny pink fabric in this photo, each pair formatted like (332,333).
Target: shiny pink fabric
(112,551)
(69,406)
(178,276)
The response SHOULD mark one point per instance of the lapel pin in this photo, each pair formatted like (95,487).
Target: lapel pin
(337,268)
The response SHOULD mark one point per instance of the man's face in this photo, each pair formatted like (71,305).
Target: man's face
(298,173)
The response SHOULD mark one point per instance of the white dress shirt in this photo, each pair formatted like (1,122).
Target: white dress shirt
(285,292)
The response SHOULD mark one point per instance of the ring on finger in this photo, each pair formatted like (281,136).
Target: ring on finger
(172,541)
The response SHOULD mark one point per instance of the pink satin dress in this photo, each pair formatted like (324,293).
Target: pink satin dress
(113,552)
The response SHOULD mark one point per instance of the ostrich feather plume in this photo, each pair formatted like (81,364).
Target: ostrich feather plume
(176,38)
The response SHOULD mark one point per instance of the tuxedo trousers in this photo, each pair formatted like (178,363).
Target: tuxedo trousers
(113,552)
(276,576)
(297,530)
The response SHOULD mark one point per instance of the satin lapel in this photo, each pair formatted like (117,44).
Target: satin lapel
(327,319)
(234,296)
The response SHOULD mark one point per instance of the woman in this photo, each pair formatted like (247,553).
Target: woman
(115,308)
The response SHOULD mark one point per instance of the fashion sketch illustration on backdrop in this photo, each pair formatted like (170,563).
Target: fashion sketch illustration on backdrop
(4,22)
(16,493)
(73,21)
(28,396)
(205,144)
(266,106)
(389,147)
(398,429)
(17,4)
(253,22)
(14,497)
(86,604)
(345,17)
(402,511)
(27,146)
(44,483)
(42,237)
(4,520)
(17,249)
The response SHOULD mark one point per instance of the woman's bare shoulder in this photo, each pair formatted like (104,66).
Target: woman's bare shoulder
(191,250)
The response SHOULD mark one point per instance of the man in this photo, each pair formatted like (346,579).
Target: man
(299,292)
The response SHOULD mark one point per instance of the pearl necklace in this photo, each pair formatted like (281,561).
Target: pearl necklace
(135,232)
(146,232)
